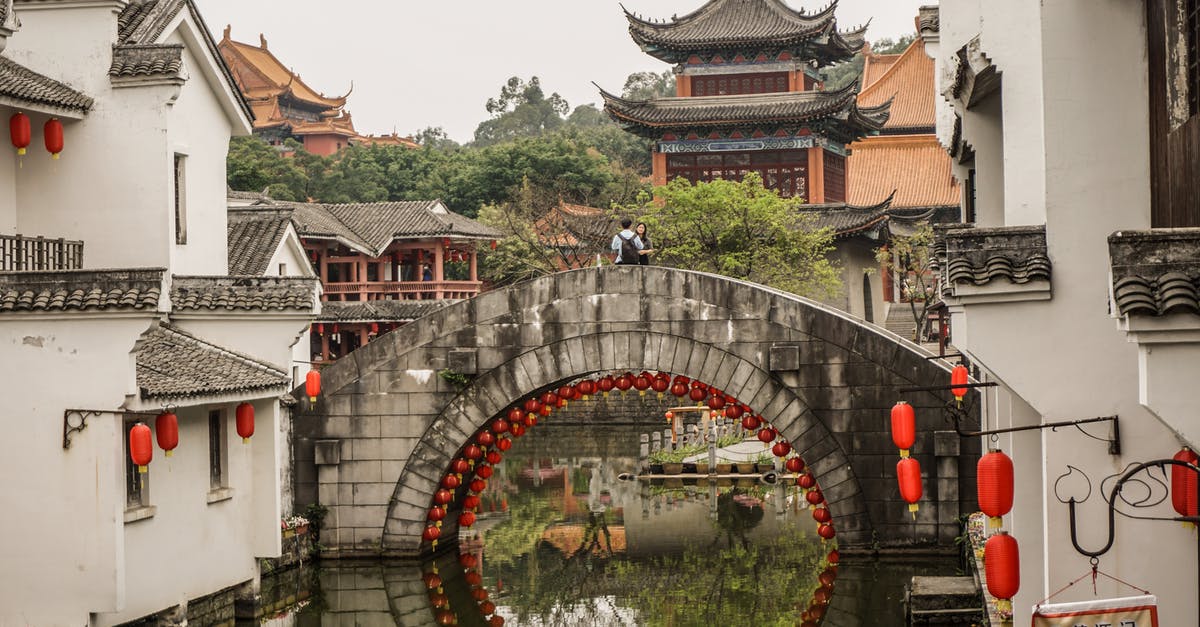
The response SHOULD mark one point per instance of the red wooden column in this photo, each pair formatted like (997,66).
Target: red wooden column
(474,266)
(324,271)
(439,256)
(816,175)
(324,347)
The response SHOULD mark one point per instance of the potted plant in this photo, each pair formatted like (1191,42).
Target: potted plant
(672,468)
(724,467)
(763,463)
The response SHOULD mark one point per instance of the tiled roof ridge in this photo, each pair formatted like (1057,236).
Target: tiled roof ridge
(715,5)
(81,290)
(171,362)
(333,103)
(252,292)
(912,48)
(148,20)
(379,310)
(249,360)
(978,255)
(146,59)
(22,83)
(1156,272)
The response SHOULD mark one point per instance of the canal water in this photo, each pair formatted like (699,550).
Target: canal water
(564,537)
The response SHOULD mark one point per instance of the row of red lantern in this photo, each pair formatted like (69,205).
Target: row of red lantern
(20,132)
(908,469)
(819,604)
(141,451)
(375,328)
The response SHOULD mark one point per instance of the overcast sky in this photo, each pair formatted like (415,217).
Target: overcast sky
(417,64)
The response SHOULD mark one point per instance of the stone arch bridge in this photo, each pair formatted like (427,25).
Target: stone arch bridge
(387,426)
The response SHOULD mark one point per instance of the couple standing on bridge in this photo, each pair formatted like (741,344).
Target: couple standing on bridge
(633,246)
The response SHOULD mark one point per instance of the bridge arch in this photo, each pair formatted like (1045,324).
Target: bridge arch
(824,379)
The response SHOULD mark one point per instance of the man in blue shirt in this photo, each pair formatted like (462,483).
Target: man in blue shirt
(627,244)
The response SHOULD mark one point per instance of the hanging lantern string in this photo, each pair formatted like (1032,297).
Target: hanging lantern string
(1093,572)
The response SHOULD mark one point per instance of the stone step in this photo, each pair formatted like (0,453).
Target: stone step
(943,601)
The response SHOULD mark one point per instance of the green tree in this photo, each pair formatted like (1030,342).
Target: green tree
(910,257)
(521,110)
(887,45)
(742,230)
(841,74)
(434,137)
(649,85)
(254,165)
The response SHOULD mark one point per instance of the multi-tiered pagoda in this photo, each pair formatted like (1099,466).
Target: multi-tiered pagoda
(749,98)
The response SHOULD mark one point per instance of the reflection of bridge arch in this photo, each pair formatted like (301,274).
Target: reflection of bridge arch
(824,379)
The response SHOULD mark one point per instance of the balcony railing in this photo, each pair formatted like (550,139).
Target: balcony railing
(402,290)
(18,252)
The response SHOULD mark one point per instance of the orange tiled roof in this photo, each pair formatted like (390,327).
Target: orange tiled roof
(386,140)
(259,74)
(909,78)
(915,166)
(552,229)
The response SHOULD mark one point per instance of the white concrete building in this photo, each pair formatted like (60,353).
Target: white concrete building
(131,311)
(1071,125)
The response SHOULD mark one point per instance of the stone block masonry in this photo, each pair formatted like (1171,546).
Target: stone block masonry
(825,379)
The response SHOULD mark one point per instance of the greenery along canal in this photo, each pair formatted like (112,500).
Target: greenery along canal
(563,540)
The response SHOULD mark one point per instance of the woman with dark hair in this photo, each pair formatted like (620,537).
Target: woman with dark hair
(640,230)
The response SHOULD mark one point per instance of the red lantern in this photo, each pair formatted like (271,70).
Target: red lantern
(312,386)
(669,416)
(766,435)
(460,465)
(660,385)
(716,401)
(432,533)
(679,389)
(606,384)
(320,326)
(833,558)
(140,449)
(436,514)
(484,472)
(815,497)
(624,382)
(1183,483)
(548,398)
(827,577)
(641,383)
(494,458)
(466,519)
(566,391)
(781,449)
(499,425)
(904,427)
(245,421)
(826,531)
(750,423)
(166,430)
(487,607)
(532,405)
(1002,566)
(504,443)
(433,581)
(470,501)
(806,481)
(485,438)
(586,388)
(994,485)
(546,410)
(515,414)
(734,412)
(473,578)
(496,621)
(478,486)
(822,515)
(959,376)
(443,496)
(908,473)
(794,464)
(451,482)
(467,560)
(472,453)
(517,429)
(18,128)
(697,394)
(52,132)
(479,594)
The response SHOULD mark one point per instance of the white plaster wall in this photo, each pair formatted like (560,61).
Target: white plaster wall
(983,128)
(198,127)
(215,543)
(1065,358)
(8,183)
(62,543)
(1167,370)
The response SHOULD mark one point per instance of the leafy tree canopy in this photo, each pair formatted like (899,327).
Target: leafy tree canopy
(521,110)
(742,230)
(648,85)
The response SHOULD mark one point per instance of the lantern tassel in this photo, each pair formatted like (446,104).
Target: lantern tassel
(54,156)
(912,508)
(995,522)
(169,453)
(1004,605)
(245,440)
(903,453)
(143,469)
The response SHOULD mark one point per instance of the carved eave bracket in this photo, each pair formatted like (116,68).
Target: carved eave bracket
(8,22)
(929,23)
(975,78)
(1156,284)
(992,265)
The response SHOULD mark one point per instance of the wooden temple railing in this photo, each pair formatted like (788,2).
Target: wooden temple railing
(18,252)
(402,290)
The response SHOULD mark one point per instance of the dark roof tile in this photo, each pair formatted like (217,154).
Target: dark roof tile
(981,255)
(379,310)
(243,293)
(172,363)
(21,83)
(1156,273)
(146,60)
(254,236)
(70,290)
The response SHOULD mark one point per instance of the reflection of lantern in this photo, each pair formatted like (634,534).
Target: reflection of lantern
(494,458)
(766,435)
(245,421)
(908,474)
(814,496)
(478,485)
(959,376)
(484,472)
(487,607)
(496,621)
(827,577)
(473,578)
(479,594)
(826,531)
(781,449)
(466,519)
(806,481)
(140,449)
(467,560)
(904,427)
(794,464)
(1002,566)
(1183,483)
(517,429)
(433,581)
(471,501)
(833,558)
(994,485)
(504,443)
(166,430)
(432,533)
(822,515)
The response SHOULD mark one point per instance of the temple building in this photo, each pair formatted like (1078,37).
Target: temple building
(750,98)
(381,264)
(285,107)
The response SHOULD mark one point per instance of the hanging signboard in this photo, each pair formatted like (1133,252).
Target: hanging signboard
(1139,611)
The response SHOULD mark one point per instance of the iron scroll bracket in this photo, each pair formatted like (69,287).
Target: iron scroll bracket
(76,420)
(957,412)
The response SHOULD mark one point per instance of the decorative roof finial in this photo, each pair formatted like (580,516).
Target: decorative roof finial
(262,41)
(228,27)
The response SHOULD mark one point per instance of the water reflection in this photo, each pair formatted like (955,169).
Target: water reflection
(561,539)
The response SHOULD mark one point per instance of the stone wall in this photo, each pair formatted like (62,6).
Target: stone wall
(387,426)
